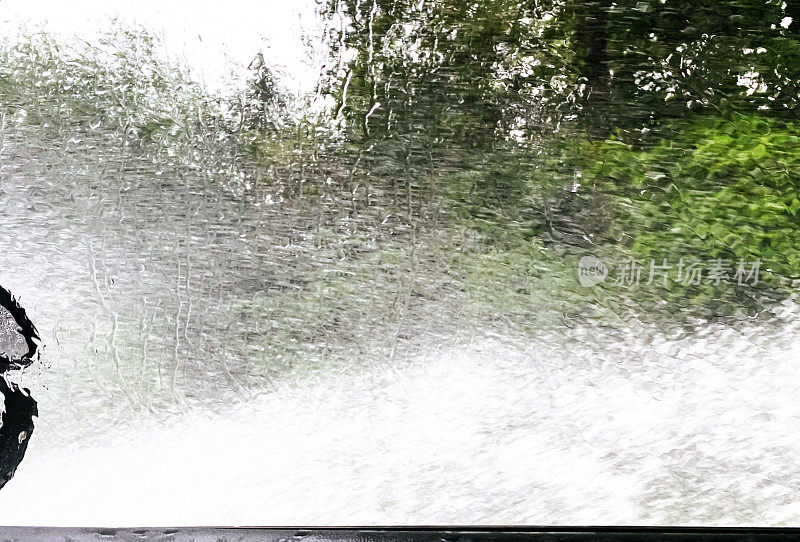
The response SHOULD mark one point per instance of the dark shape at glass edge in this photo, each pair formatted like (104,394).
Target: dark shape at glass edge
(20,407)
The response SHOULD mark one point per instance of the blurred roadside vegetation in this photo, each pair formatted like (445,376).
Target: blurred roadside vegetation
(646,130)
(456,161)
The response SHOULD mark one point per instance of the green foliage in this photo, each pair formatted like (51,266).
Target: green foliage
(118,93)
(464,72)
(119,83)
(721,188)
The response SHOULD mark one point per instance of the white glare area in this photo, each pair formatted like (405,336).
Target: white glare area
(492,432)
(217,40)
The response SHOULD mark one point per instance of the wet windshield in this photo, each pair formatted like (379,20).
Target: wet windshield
(402,262)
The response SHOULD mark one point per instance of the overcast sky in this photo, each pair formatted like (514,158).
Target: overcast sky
(214,37)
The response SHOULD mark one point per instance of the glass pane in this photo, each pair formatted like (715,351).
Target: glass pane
(399,262)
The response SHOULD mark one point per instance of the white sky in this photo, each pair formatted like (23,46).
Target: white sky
(216,38)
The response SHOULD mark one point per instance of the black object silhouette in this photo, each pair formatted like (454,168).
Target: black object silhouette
(18,348)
